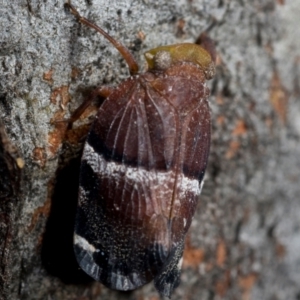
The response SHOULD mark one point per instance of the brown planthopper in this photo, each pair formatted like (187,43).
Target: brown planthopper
(142,167)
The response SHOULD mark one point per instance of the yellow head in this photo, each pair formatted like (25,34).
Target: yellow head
(165,56)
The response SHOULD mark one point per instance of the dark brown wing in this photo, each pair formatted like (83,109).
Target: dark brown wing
(187,94)
(122,228)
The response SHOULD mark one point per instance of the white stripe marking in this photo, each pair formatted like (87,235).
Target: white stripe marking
(139,175)
(83,243)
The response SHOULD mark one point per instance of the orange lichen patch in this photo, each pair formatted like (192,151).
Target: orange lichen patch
(222,286)
(278,97)
(42,210)
(240,128)
(192,256)
(269,122)
(75,72)
(220,120)
(57,119)
(221,253)
(281,2)
(280,250)
(60,95)
(39,155)
(246,283)
(60,133)
(154,298)
(56,137)
(233,149)
(141,35)
(220,99)
(47,76)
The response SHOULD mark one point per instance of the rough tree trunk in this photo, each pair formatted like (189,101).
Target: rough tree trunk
(244,242)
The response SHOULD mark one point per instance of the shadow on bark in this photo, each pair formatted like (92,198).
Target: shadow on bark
(57,251)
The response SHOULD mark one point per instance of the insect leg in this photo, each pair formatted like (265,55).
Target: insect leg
(102,92)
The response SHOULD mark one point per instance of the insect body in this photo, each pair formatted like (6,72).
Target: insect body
(142,169)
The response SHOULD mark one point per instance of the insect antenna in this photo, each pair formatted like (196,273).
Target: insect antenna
(131,62)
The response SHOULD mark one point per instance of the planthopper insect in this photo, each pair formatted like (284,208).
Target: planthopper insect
(142,167)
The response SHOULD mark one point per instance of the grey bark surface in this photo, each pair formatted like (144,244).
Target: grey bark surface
(244,241)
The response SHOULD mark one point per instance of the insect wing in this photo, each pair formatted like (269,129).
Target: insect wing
(122,231)
(188,97)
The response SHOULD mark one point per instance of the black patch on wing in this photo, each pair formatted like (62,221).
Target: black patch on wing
(89,181)
(197,174)
(168,278)
(99,146)
(121,274)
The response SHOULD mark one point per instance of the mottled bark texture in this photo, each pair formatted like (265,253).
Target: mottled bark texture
(244,242)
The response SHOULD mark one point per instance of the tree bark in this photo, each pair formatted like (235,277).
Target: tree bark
(244,240)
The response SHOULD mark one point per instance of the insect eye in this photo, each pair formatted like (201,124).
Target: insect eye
(162,60)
